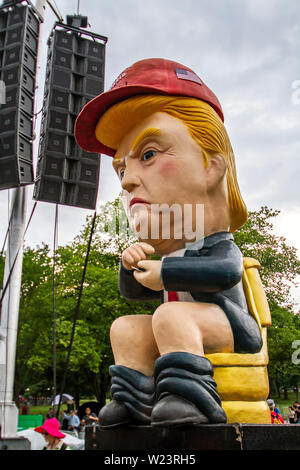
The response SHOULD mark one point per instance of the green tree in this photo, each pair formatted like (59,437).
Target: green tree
(34,318)
(279,269)
(279,263)
(283,335)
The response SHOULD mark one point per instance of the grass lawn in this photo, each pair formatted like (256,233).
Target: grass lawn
(43,409)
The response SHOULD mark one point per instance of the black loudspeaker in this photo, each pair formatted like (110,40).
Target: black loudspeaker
(19,36)
(75,74)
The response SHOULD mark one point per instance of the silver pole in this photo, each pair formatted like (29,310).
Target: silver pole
(54,307)
(11,301)
(10,313)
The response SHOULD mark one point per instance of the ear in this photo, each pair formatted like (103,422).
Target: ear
(216,170)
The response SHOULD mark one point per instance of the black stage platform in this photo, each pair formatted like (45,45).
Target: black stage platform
(204,437)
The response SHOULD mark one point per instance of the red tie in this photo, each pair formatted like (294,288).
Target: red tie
(172,296)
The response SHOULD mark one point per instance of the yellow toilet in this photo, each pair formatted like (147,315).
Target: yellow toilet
(242,379)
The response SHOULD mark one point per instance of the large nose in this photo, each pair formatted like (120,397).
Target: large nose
(131,177)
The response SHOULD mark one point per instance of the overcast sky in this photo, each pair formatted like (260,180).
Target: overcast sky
(246,51)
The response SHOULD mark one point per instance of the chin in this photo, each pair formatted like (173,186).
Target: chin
(162,246)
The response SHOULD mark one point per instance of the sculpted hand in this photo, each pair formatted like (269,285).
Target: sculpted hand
(151,276)
(135,253)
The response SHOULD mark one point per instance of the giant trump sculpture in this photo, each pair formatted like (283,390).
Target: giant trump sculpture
(202,356)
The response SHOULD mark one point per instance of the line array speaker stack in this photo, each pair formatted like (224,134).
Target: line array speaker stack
(75,74)
(19,36)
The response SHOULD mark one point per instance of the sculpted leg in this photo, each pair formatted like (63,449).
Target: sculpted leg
(172,343)
(133,343)
(185,390)
(193,327)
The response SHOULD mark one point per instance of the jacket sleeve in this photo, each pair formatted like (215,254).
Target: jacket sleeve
(208,270)
(131,289)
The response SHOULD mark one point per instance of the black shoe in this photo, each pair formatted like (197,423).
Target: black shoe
(186,390)
(113,415)
(132,396)
(173,410)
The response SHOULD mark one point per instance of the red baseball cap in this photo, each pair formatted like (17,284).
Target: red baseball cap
(147,76)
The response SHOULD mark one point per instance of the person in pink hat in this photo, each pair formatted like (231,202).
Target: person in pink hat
(52,435)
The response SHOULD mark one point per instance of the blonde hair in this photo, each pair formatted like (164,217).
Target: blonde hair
(203,123)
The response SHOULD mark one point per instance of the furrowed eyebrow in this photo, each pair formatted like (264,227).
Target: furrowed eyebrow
(150,132)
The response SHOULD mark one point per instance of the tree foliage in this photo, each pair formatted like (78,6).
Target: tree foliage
(283,339)
(279,263)
(279,270)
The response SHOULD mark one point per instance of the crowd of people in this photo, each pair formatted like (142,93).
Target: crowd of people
(293,416)
(51,428)
(70,421)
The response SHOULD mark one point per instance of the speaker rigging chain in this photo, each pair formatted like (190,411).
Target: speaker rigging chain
(76,312)
(37,113)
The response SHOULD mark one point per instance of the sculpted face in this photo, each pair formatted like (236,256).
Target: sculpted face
(159,162)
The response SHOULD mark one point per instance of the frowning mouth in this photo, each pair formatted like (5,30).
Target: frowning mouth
(137,200)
